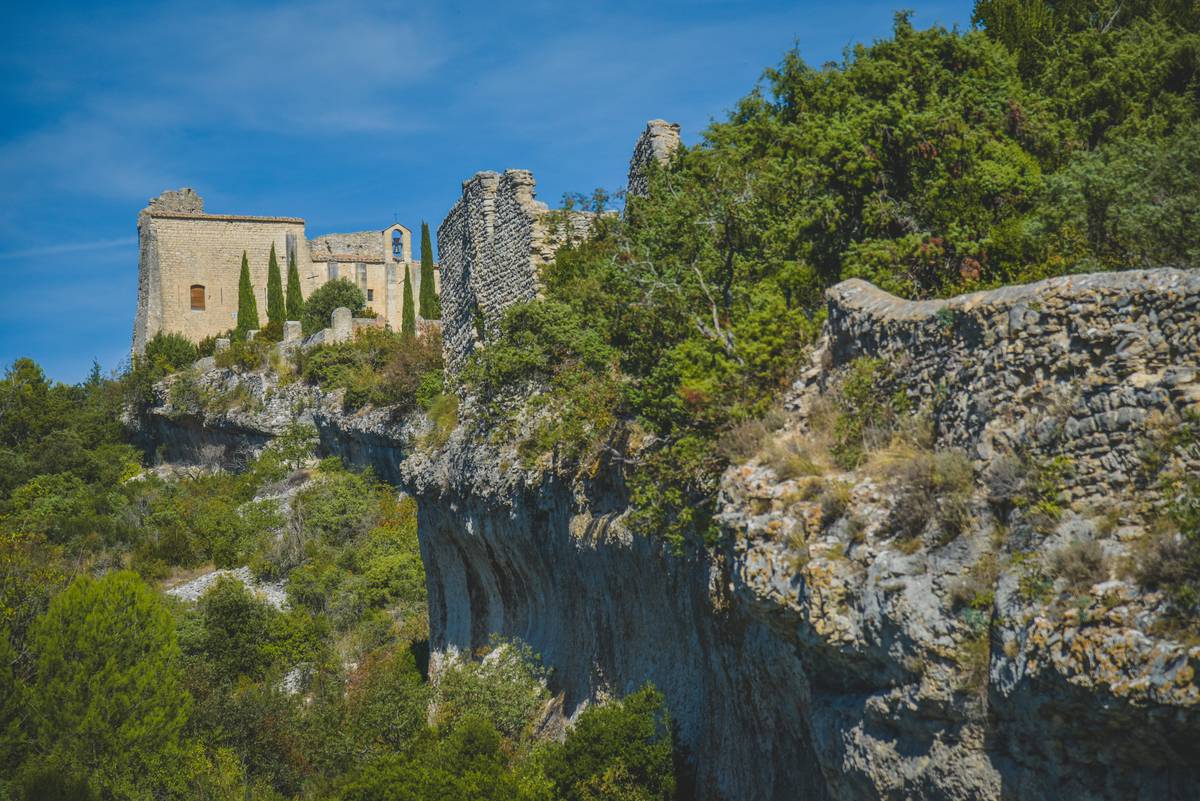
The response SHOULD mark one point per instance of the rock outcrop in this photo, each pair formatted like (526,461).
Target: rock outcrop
(818,653)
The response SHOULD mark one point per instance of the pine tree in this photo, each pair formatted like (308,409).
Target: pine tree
(275,307)
(430,307)
(109,694)
(408,325)
(247,315)
(295,300)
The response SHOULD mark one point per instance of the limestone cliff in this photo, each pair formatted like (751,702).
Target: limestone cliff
(828,649)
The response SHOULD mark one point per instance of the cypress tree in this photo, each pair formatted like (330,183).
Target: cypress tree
(275,308)
(295,300)
(247,319)
(430,307)
(408,325)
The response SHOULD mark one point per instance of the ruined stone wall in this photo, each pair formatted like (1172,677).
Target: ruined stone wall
(492,247)
(656,145)
(1076,365)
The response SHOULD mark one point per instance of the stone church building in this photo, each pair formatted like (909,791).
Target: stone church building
(190,261)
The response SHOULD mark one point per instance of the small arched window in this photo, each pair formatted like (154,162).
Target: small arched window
(197,297)
(397,244)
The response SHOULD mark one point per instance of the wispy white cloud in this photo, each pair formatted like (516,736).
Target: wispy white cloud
(306,69)
(69,247)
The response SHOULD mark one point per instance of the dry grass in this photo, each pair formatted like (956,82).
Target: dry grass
(1082,564)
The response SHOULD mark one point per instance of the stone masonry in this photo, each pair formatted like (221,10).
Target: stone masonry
(656,145)
(491,248)
(189,264)
(1078,366)
(494,242)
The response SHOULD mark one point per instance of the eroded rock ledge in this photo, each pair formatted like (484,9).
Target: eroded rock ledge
(821,656)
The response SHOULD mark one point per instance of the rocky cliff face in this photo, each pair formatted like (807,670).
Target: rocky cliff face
(830,648)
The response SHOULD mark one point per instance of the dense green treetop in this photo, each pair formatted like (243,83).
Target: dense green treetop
(318,309)
(109,695)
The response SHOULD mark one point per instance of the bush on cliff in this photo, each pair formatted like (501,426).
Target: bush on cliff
(622,749)
(318,309)
(378,367)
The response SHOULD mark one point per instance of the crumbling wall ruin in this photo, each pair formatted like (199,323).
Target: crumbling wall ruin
(491,248)
(656,145)
(1079,366)
(494,242)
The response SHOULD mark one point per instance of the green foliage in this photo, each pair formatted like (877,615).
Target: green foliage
(621,750)
(505,689)
(866,411)
(276,310)
(167,353)
(14,710)
(430,307)
(318,309)
(468,764)
(1128,203)
(379,367)
(247,313)
(295,300)
(108,691)
(236,630)
(246,354)
(408,325)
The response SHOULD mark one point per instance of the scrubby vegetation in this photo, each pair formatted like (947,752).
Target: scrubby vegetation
(110,689)
(930,163)
(379,367)
(319,306)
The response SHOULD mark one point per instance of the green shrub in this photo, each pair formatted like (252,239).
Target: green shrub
(236,630)
(170,352)
(378,367)
(622,749)
(318,308)
(109,691)
(504,689)
(251,355)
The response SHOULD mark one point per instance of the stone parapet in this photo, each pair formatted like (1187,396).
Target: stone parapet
(1079,366)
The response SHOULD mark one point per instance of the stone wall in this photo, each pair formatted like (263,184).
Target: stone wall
(1075,365)
(656,145)
(491,248)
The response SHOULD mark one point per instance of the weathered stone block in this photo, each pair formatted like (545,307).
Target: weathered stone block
(342,323)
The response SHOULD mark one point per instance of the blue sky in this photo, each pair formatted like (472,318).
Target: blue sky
(349,114)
